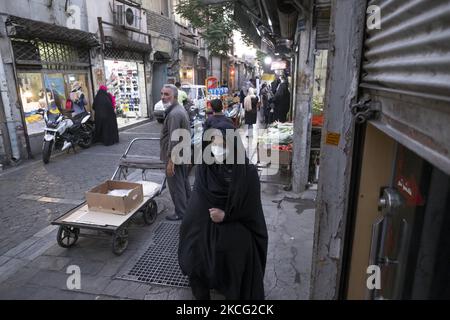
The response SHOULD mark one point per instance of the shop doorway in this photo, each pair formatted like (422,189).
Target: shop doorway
(126,81)
(401,225)
(159,79)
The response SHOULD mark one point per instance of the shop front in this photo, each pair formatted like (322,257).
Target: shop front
(398,241)
(232,77)
(42,89)
(400,234)
(159,76)
(187,75)
(187,67)
(201,70)
(47,66)
(125,80)
(224,72)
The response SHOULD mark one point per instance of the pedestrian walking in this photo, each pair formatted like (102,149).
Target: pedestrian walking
(182,95)
(251,110)
(274,85)
(223,237)
(282,100)
(177,174)
(264,94)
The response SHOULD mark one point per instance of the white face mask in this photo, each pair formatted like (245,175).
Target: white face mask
(166,105)
(219,153)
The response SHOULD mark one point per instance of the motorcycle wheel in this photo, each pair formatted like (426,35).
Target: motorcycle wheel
(47,151)
(86,140)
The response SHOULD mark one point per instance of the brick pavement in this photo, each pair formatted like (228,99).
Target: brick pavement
(67,176)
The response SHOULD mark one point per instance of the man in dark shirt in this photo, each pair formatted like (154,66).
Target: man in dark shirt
(217,118)
(177,174)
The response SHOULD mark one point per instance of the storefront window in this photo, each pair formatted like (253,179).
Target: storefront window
(187,75)
(55,87)
(81,78)
(33,98)
(47,91)
(123,81)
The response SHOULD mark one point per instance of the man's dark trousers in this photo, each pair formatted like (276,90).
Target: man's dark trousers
(180,189)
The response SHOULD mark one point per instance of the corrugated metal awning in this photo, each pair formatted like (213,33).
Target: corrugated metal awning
(30,29)
(127,44)
(245,23)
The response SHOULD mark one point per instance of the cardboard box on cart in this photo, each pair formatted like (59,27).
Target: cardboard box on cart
(98,198)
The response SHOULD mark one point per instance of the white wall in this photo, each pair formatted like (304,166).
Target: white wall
(104,9)
(56,14)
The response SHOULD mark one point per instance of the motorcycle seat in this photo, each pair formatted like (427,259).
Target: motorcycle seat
(78,117)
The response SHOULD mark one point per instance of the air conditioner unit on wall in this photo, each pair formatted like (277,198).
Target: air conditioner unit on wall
(128,16)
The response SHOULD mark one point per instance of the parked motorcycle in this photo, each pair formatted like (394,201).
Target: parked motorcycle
(62,132)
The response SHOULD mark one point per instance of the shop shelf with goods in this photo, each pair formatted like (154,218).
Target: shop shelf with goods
(279,137)
(125,88)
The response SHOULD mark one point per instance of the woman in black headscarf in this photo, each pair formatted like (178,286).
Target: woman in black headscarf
(223,236)
(282,100)
(251,110)
(106,130)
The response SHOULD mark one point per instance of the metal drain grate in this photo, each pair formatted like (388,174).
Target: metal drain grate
(159,263)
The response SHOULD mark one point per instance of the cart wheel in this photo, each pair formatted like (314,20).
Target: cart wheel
(120,241)
(67,236)
(150,212)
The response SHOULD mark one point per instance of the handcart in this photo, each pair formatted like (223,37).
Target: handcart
(108,224)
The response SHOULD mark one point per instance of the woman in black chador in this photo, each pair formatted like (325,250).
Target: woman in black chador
(223,236)
(106,130)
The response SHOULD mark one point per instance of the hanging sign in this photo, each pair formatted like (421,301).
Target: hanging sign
(278,65)
(211,83)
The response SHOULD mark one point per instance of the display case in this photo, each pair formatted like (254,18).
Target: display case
(124,85)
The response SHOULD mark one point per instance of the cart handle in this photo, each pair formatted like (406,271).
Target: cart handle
(138,139)
(128,149)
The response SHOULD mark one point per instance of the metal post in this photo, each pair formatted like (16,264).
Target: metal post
(6,99)
(304,92)
(100,28)
(344,59)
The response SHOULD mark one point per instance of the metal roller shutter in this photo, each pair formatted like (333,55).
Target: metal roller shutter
(406,69)
(322,12)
